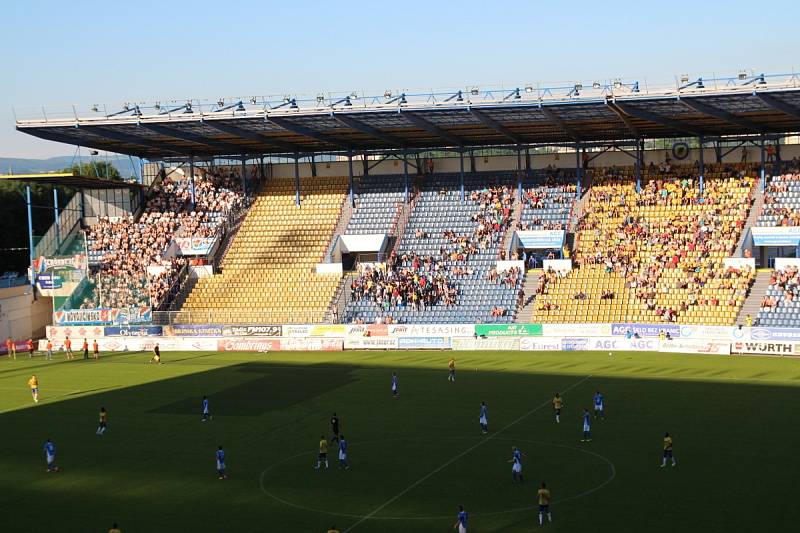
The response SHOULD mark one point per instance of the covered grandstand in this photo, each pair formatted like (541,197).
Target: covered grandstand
(429,227)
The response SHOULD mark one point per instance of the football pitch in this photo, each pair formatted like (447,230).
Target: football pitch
(414,459)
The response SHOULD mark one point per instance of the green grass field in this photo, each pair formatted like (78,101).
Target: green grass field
(414,459)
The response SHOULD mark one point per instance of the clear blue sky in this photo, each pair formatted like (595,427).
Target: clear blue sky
(83,52)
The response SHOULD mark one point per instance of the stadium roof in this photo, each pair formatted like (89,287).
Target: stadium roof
(467,118)
(68,179)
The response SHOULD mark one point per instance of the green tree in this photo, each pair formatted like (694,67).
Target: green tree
(95,169)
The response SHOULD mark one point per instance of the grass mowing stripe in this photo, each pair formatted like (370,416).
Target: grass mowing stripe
(457,457)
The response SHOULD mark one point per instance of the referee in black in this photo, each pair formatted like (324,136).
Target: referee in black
(335,428)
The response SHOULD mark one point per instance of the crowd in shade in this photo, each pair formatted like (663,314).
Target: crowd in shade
(127,247)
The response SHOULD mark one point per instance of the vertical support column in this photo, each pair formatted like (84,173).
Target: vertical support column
(366,165)
(30,236)
(57,220)
(261,170)
(350,179)
(578,169)
(472,167)
(461,174)
(313,166)
(297,180)
(519,172)
(405,175)
(639,164)
(191,180)
(718,152)
(527,162)
(702,169)
(763,163)
(244,175)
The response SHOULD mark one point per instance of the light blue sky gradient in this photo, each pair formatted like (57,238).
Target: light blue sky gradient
(83,52)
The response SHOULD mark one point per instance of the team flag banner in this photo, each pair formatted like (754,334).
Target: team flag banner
(131,315)
(508,330)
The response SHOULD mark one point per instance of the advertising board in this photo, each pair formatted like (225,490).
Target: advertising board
(764,348)
(491,343)
(193,330)
(423,343)
(540,344)
(431,330)
(645,330)
(251,331)
(132,331)
(696,346)
(583,330)
(508,330)
(541,239)
(370,343)
(768,334)
(194,245)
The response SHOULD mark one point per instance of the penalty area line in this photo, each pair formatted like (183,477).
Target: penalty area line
(457,457)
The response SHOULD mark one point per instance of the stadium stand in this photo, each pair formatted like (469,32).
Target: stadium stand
(782,201)
(656,255)
(442,269)
(268,275)
(547,202)
(378,203)
(121,250)
(780,306)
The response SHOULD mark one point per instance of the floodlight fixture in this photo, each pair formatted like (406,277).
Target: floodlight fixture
(742,75)
(617,84)
(697,83)
(635,87)
(474,91)
(761,80)
(596,85)
(320,97)
(354,95)
(347,102)
(240,107)
(95,108)
(157,106)
(188,109)
(254,100)
(578,87)
(221,102)
(287,99)
(528,89)
(684,78)
(387,94)
(292,104)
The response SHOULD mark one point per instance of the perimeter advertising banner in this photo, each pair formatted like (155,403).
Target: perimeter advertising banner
(696,346)
(194,245)
(75,332)
(490,343)
(370,343)
(132,331)
(765,334)
(314,330)
(193,330)
(541,239)
(431,330)
(645,330)
(508,330)
(278,344)
(765,348)
(776,236)
(251,331)
(423,343)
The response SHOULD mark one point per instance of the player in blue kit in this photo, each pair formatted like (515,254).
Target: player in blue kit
(221,463)
(587,426)
(484,421)
(599,410)
(516,468)
(343,453)
(395,386)
(461,520)
(206,410)
(50,456)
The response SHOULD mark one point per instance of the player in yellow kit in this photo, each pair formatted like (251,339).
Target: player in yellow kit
(323,453)
(558,404)
(451,370)
(101,428)
(33,383)
(544,504)
(668,451)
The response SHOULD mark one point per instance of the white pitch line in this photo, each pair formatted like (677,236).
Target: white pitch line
(456,458)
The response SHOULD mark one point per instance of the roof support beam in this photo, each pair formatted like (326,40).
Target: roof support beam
(687,129)
(135,139)
(623,117)
(369,130)
(194,138)
(249,134)
(779,105)
(496,126)
(306,132)
(695,104)
(455,140)
(558,121)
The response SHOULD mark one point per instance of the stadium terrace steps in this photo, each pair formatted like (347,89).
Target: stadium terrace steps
(752,304)
(438,209)
(525,311)
(752,219)
(699,288)
(269,274)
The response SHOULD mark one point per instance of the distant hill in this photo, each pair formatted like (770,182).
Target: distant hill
(12,165)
